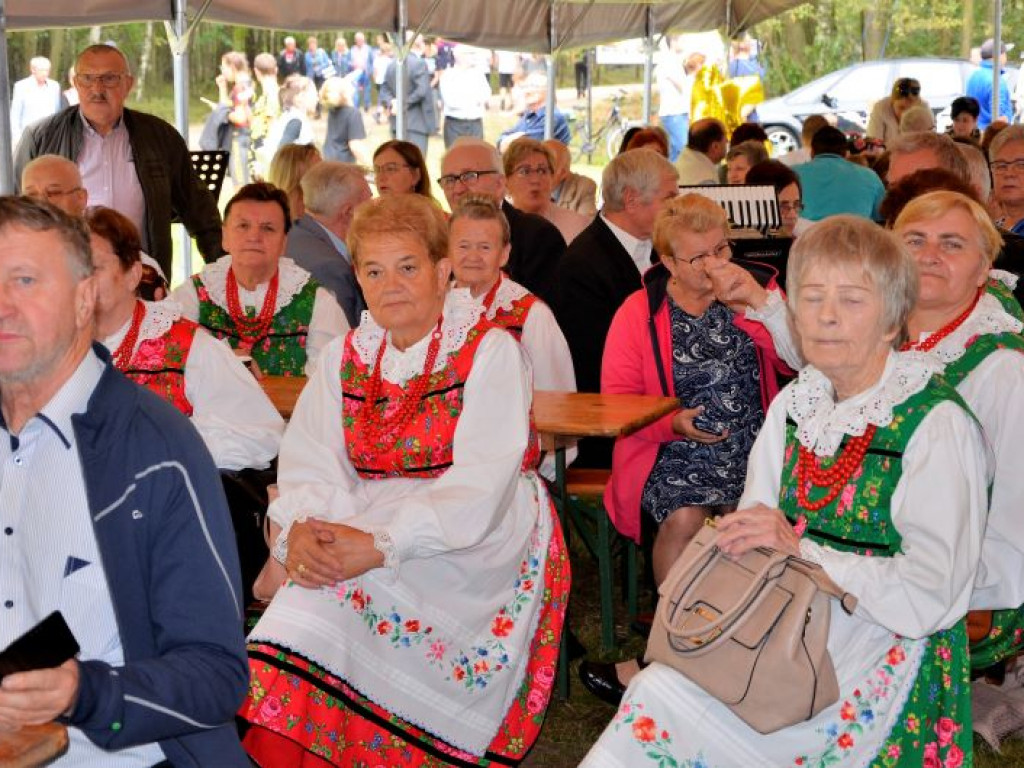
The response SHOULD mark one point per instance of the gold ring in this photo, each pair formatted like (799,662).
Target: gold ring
(301,569)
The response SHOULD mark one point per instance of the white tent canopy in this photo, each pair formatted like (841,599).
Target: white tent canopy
(517,24)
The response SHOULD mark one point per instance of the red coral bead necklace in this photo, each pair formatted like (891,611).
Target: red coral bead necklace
(123,354)
(251,329)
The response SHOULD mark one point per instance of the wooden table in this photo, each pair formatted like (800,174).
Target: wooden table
(283,391)
(587,414)
(33,745)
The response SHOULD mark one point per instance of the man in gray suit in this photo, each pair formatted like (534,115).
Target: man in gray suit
(420,114)
(331,191)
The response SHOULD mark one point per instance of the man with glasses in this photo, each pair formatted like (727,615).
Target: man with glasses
(473,166)
(130,161)
(604,264)
(1006,161)
(55,180)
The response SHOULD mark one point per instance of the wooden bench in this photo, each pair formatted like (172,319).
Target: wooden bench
(586,513)
(33,745)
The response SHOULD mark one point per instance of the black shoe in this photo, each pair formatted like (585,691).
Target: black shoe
(602,681)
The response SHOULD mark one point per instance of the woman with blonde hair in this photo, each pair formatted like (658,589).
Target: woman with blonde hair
(426,573)
(884,122)
(235,90)
(289,165)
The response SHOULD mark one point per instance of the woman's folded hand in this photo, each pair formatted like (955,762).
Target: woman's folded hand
(322,554)
(759,526)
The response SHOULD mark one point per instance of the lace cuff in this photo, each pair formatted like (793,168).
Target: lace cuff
(772,306)
(280,549)
(384,544)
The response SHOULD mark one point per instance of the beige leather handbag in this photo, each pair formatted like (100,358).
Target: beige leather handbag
(751,632)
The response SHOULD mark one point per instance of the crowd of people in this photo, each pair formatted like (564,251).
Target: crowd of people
(408,565)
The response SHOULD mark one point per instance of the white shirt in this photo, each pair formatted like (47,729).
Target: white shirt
(673,86)
(695,168)
(109,174)
(327,322)
(465,93)
(231,412)
(49,556)
(639,250)
(30,102)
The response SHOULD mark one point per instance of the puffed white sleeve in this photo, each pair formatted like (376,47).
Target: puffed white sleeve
(186,297)
(314,476)
(775,317)
(233,414)
(462,506)
(938,507)
(327,323)
(764,465)
(547,351)
(995,392)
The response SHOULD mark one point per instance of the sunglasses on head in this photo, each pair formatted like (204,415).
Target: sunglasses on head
(906,88)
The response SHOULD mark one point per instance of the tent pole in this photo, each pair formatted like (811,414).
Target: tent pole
(179,57)
(648,62)
(403,49)
(7,181)
(997,56)
(549,108)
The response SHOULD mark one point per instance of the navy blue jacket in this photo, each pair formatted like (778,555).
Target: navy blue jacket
(167,548)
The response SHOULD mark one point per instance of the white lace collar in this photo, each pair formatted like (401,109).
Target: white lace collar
(461,313)
(821,422)
(293,279)
(509,291)
(988,316)
(1006,278)
(159,317)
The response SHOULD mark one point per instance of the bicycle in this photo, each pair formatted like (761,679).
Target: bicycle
(583,142)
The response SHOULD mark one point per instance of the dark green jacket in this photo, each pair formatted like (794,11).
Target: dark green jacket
(169,184)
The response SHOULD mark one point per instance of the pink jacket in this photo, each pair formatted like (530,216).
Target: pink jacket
(628,366)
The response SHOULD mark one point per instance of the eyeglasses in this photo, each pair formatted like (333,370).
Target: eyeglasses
(907,87)
(1005,166)
(53,194)
(525,171)
(720,251)
(107,79)
(791,207)
(467,178)
(389,168)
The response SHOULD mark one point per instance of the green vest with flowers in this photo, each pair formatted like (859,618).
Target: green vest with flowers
(279,352)
(858,520)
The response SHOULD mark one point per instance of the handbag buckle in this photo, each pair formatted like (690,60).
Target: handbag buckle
(707,615)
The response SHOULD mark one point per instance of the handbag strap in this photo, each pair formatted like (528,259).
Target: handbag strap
(701,566)
(675,581)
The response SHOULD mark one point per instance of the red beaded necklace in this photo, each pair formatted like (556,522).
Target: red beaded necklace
(835,477)
(251,329)
(123,355)
(380,429)
(933,339)
(489,297)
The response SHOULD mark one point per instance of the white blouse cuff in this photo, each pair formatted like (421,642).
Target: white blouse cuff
(772,306)
(384,544)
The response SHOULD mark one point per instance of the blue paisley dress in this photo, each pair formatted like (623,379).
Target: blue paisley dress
(714,364)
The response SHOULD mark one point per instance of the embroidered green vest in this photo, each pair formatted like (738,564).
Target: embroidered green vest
(1002,292)
(859,520)
(282,351)
(1006,637)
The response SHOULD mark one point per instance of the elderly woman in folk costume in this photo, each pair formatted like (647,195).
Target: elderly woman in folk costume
(873,467)
(427,577)
(961,322)
(264,305)
(479,244)
(154,345)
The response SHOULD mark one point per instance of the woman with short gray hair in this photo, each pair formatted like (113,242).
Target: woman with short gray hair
(872,467)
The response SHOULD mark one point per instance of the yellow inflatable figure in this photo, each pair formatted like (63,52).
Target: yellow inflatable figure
(727,100)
